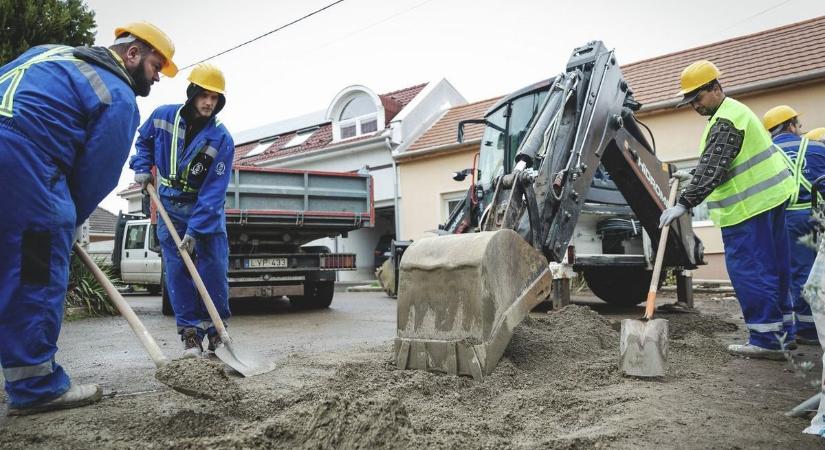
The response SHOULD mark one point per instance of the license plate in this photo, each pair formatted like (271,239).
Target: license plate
(253,263)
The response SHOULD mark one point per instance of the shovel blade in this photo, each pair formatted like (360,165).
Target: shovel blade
(643,347)
(242,361)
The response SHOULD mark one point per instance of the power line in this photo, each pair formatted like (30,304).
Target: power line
(755,15)
(264,35)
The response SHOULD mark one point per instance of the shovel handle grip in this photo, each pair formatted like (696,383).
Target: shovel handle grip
(193,271)
(650,305)
(125,310)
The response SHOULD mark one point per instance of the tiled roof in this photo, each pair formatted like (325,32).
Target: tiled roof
(789,50)
(393,103)
(102,222)
(445,130)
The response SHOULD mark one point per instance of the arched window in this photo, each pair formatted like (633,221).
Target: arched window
(358,116)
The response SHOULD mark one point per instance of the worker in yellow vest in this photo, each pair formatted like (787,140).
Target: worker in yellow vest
(746,184)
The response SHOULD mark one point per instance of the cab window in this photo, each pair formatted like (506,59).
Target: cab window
(135,237)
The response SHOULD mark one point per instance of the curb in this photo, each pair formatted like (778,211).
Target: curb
(365,288)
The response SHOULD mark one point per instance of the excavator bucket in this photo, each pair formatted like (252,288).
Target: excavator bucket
(460,297)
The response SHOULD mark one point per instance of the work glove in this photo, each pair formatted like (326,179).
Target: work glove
(144,179)
(188,244)
(671,214)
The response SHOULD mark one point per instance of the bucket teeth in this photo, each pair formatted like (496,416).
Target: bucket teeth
(461,296)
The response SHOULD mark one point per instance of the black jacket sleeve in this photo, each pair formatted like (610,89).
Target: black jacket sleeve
(722,146)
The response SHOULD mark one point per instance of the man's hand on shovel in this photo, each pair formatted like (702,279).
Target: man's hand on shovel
(188,244)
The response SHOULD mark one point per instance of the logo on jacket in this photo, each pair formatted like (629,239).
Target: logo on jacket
(197,169)
(220,168)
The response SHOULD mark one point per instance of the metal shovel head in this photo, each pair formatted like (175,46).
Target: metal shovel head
(244,362)
(643,347)
(461,296)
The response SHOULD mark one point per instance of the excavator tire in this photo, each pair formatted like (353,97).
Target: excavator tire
(619,286)
(460,297)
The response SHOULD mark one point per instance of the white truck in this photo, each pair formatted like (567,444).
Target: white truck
(270,215)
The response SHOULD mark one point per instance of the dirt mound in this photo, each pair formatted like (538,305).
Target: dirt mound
(199,377)
(682,324)
(342,422)
(558,385)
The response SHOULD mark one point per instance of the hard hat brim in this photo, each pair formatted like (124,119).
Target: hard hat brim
(170,69)
(689,97)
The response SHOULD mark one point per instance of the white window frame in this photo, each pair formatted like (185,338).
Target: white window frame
(446,198)
(262,146)
(300,137)
(357,121)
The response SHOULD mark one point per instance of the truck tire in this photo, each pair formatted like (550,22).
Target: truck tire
(154,289)
(166,304)
(317,295)
(620,286)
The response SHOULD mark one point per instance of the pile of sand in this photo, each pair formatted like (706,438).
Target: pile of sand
(199,377)
(557,386)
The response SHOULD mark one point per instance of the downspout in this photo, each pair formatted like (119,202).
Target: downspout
(396,215)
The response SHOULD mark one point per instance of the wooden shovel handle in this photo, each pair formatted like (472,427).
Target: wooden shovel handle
(650,306)
(125,310)
(207,299)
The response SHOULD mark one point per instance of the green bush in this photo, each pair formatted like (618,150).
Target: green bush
(84,290)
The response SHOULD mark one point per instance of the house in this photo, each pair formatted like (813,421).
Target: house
(426,169)
(358,131)
(778,66)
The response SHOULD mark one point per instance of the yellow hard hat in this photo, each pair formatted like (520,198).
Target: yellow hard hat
(816,134)
(778,115)
(697,75)
(152,35)
(208,77)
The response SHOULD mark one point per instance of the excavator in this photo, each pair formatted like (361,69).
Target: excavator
(566,178)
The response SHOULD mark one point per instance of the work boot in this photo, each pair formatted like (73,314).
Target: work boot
(214,342)
(753,351)
(77,395)
(191,344)
(806,341)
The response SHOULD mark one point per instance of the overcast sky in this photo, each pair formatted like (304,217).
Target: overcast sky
(485,48)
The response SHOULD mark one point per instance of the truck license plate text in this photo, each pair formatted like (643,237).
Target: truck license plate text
(253,263)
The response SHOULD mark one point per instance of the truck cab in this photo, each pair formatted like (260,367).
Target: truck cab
(136,254)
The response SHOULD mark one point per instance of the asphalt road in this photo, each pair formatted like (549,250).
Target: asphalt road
(106,351)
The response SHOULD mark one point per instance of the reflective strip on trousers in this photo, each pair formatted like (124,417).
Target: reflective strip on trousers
(765,327)
(787,318)
(13,374)
(764,155)
(204,325)
(751,191)
(806,319)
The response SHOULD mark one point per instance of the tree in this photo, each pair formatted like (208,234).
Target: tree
(27,23)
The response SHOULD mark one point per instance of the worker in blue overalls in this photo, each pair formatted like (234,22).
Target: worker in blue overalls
(806,159)
(193,154)
(67,120)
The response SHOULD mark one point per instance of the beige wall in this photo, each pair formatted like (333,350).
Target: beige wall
(678,132)
(424,183)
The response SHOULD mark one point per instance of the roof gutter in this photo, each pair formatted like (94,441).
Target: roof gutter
(744,88)
(437,149)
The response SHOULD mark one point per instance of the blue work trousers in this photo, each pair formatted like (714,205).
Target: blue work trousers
(36,235)
(802,259)
(758,260)
(211,257)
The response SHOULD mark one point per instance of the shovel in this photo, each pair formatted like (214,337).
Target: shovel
(643,342)
(243,362)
